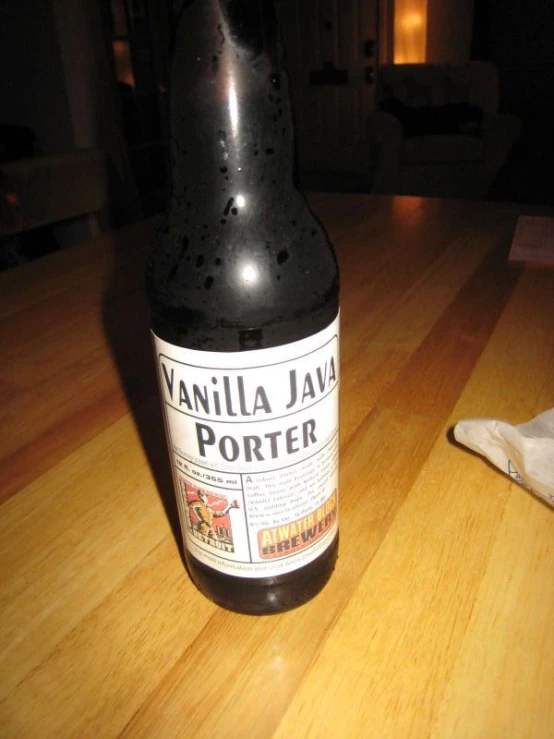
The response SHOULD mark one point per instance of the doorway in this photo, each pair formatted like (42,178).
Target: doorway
(333,48)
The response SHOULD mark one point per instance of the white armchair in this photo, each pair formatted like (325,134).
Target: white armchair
(442,164)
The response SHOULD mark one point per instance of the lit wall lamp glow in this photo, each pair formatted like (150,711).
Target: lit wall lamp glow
(411,21)
(410,31)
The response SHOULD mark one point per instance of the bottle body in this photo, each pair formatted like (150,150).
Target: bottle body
(243,291)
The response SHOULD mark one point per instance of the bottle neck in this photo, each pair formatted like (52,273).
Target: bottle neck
(231,117)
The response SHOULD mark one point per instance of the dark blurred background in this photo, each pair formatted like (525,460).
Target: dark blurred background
(518,36)
(93,74)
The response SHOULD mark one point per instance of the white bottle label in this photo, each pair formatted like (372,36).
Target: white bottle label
(253,438)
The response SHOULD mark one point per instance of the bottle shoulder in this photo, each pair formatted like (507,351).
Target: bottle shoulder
(268,273)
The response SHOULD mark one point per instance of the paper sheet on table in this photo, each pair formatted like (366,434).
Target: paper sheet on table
(533,242)
(524,452)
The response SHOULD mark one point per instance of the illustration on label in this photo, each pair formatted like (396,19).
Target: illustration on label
(254,443)
(207,516)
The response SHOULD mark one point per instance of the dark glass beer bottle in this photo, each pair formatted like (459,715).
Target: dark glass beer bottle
(243,291)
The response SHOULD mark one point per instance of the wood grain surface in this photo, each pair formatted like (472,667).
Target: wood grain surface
(439,619)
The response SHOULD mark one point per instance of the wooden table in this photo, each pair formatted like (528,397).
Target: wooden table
(438,621)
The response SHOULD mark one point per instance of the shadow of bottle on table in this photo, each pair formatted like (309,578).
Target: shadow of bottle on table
(127,327)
